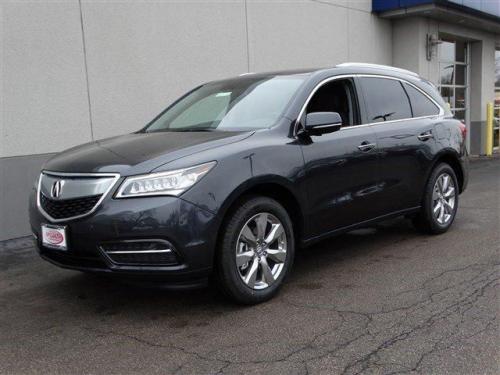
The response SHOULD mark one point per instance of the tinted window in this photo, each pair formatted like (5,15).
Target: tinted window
(421,105)
(386,99)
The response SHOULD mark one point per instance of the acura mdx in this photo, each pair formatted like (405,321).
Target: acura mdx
(231,178)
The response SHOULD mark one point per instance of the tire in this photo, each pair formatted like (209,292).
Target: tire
(240,234)
(439,205)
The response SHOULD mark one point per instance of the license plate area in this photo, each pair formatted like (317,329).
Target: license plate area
(55,236)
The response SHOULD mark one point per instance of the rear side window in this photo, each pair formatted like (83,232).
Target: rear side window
(386,99)
(421,105)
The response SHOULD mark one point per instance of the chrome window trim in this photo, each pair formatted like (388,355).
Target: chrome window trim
(115,176)
(376,66)
(354,75)
(327,126)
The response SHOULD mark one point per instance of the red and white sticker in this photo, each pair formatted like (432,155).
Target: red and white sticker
(54,237)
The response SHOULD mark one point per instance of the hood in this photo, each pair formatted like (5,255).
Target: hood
(138,152)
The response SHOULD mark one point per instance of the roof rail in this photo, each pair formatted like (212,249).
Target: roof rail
(376,66)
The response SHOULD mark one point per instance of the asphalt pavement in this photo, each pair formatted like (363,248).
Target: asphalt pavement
(381,300)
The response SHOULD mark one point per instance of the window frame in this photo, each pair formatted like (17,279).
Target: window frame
(453,86)
(353,99)
(358,89)
(496,106)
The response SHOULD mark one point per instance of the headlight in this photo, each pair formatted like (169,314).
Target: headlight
(163,183)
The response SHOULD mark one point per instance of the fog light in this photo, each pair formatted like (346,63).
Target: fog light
(140,252)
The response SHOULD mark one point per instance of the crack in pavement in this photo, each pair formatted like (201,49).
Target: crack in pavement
(383,300)
(441,305)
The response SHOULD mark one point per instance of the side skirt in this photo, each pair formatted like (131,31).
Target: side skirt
(335,232)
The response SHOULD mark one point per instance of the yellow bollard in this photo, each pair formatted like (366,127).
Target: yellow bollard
(489,129)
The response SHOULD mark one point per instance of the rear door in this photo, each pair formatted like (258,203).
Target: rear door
(404,118)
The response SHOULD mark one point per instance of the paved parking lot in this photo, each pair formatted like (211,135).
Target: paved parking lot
(379,300)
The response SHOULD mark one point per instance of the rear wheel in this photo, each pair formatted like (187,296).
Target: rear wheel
(440,201)
(256,252)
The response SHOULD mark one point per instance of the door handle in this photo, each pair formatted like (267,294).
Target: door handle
(425,135)
(366,146)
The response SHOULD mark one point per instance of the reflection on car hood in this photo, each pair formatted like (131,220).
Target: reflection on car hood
(138,152)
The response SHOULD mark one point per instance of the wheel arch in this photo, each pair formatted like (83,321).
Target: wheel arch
(275,187)
(450,157)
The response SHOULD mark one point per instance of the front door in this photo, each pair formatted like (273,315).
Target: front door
(341,167)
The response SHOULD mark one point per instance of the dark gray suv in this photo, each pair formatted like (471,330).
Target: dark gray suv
(233,176)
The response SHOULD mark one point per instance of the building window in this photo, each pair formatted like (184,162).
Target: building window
(453,79)
(496,124)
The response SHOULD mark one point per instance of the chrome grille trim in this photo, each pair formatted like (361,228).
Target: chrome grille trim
(71,187)
(139,251)
(115,177)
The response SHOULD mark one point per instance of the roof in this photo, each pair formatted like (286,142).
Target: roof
(347,68)
(376,66)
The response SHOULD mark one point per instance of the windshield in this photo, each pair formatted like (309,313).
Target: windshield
(241,104)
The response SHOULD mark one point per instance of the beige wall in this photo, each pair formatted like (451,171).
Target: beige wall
(138,56)
(44,93)
(409,51)
(142,55)
(77,71)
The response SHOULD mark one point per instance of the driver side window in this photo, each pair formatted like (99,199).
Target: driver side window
(336,96)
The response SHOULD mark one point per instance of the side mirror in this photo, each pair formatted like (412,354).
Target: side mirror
(318,123)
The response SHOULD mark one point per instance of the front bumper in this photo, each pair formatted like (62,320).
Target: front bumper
(464,163)
(190,229)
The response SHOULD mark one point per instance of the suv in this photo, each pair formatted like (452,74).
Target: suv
(233,176)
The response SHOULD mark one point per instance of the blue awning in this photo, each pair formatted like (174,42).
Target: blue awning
(479,14)
(486,8)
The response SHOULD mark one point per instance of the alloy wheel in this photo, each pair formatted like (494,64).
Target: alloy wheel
(443,199)
(261,251)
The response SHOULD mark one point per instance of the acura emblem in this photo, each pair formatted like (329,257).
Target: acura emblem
(57,188)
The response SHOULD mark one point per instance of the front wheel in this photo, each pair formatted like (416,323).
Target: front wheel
(256,252)
(440,201)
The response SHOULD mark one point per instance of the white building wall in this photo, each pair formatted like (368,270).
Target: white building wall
(409,52)
(45,106)
(75,71)
(315,34)
(138,57)
(142,55)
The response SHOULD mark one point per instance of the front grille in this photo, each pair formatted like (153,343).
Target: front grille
(66,208)
(66,196)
